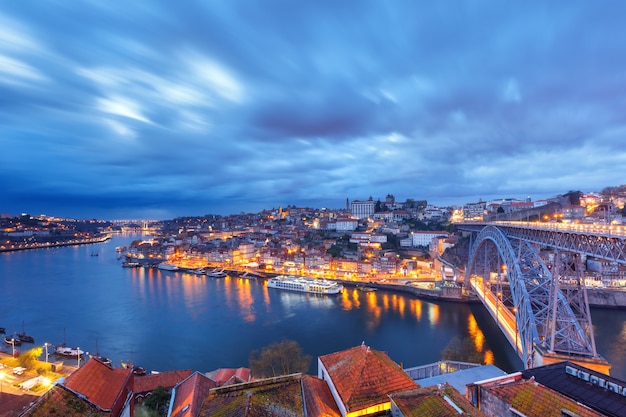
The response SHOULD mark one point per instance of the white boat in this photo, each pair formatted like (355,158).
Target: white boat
(217,274)
(167,266)
(302,284)
(69,352)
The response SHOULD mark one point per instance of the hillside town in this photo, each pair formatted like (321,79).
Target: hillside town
(409,245)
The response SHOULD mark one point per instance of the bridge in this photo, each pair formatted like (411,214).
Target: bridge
(530,277)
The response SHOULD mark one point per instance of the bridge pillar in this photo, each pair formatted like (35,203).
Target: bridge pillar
(542,357)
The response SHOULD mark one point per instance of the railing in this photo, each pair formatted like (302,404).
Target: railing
(616,230)
(438,368)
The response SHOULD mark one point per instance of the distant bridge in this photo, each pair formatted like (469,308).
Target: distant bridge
(530,277)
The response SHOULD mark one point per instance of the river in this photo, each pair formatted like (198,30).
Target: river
(165,320)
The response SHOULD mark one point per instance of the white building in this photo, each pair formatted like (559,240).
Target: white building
(363,209)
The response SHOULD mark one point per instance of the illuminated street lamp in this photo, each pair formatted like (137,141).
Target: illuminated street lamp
(1,381)
(13,346)
(78,355)
(45,345)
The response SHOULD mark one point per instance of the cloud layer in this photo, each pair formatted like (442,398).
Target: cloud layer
(159,109)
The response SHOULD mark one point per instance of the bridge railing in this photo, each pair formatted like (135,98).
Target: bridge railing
(614,230)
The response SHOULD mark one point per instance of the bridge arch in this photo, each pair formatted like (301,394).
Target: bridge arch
(521,293)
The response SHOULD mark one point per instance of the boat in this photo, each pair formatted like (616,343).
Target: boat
(24,337)
(366,289)
(2,330)
(130,264)
(119,249)
(303,284)
(12,341)
(167,266)
(94,254)
(68,352)
(217,274)
(137,370)
(102,359)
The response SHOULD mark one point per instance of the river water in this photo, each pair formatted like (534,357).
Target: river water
(165,320)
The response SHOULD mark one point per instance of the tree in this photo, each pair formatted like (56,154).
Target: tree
(281,358)
(462,351)
(158,401)
(335,251)
(29,358)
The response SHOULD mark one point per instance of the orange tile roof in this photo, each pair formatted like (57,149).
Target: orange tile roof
(228,376)
(61,402)
(431,402)
(189,395)
(318,400)
(277,397)
(164,379)
(364,377)
(534,399)
(100,383)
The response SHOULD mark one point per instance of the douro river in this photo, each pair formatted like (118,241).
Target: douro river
(172,320)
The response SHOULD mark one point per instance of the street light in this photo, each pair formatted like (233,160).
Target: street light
(45,345)
(13,346)
(78,355)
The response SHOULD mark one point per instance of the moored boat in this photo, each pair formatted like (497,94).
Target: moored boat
(68,352)
(12,341)
(302,284)
(24,337)
(365,289)
(167,266)
(217,274)
(137,370)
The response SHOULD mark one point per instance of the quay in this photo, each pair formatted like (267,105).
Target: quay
(43,245)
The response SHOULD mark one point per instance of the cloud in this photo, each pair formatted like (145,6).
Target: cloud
(186,108)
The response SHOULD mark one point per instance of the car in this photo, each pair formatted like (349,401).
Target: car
(19,370)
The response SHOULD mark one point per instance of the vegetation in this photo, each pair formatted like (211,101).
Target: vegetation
(156,404)
(462,351)
(29,358)
(277,359)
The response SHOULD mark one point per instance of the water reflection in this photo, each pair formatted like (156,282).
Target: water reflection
(416,309)
(433,314)
(478,337)
(246,301)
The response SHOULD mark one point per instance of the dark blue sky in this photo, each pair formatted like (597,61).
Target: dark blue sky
(165,108)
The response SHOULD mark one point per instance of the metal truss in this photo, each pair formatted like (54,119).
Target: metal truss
(602,245)
(518,279)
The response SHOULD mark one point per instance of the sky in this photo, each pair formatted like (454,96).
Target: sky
(160,109)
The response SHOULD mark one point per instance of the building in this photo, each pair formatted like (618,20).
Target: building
(363,209)
(440,400)
(95,389)
(559,389)
(360,380)
(289,395)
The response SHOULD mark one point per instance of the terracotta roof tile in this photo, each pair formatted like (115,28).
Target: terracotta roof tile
(100,383)
(534,399)
(61,402)
(189,395)
(364,377)
(318,400)
(431,401)
(229,376)
(279,397)
(164,379)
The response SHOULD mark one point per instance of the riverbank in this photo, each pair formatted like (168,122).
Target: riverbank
(43,245)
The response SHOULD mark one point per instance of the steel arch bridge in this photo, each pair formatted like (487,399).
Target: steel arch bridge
(541,309)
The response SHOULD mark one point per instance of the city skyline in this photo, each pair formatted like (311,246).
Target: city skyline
(159,110)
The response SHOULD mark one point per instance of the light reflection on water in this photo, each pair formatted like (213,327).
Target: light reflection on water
(174,320)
